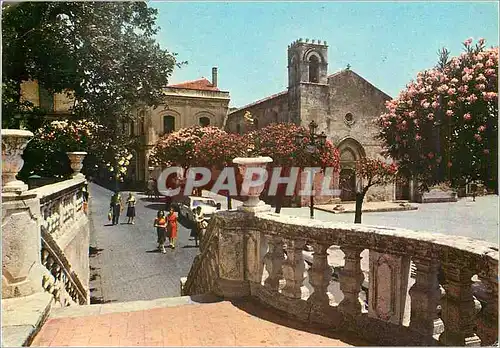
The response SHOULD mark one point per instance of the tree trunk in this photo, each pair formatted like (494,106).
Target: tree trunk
(279,202)
(229,201)
(360,196)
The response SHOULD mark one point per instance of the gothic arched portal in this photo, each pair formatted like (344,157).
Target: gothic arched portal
(350,152)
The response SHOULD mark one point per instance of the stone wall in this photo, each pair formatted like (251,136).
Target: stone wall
(269,110)
(262,255)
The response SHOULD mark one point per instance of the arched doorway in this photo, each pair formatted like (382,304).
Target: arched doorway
(350,152)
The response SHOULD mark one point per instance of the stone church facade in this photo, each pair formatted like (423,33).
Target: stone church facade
(344,105)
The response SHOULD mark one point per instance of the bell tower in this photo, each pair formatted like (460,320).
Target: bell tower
(307,79)
(307,62)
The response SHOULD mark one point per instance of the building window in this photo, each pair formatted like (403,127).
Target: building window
(168,124)
(204,121)
(349,119)
(46,99)
(238,128)
(313,69)
(132,128)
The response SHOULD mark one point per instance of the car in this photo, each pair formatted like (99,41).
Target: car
(188,203)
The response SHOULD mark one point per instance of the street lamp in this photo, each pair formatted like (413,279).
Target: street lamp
(316,141)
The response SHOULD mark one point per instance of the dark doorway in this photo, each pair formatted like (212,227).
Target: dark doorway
(347,185)
(402,189)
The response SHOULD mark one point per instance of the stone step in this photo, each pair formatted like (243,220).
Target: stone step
(132,306)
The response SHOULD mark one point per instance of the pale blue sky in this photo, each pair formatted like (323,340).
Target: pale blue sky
(385,42)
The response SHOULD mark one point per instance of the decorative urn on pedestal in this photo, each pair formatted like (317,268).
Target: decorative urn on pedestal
(76,159)
(14,141)
(253,203)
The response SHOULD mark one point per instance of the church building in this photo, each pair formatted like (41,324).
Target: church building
(343,104)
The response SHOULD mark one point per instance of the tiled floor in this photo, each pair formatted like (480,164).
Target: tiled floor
(211,324)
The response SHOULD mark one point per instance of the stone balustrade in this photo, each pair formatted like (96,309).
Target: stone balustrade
(451,298)
(46,243)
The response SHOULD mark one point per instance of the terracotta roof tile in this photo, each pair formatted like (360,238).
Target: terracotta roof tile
(200,84)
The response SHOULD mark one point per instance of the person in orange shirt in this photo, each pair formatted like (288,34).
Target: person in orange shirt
(172,227)
(161,225)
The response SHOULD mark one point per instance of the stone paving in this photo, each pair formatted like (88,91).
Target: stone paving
(128,266)
(242,323)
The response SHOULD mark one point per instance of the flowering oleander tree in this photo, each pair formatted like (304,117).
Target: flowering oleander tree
(371,172)
(46,155)
(444,126)
(219,149)
(178,148)
(279,141)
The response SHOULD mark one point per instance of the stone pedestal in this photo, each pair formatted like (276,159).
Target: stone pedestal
(76,159)
(22,270)
(388,285)
(253,203)
(14,141)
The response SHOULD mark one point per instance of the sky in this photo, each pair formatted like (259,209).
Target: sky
(387,43)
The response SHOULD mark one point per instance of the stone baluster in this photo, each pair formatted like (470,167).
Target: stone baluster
(274,262)
(320,275)
(458,307)
(488,317)
(351,277)
(293,270)
(425,295)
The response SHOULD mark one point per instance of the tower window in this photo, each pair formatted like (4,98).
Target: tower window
(168,124)
(204,121)
(313,69)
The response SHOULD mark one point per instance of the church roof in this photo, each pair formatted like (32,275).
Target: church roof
(260,101)
(200,84)
(349,71)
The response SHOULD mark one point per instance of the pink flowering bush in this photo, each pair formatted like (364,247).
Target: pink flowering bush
(460,99)
(178,148)
(220,149)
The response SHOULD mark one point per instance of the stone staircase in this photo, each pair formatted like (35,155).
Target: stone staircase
(202,320)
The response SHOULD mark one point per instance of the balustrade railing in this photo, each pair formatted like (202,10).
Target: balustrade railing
(437,304)
(61,209)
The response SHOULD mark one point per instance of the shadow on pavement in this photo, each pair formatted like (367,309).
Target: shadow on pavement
(108,225)
(206,298)
(260,310)
(157,206)
(190,246)
(153,251)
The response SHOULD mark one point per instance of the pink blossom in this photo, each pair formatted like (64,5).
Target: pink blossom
(472,98)
(430,116)
(454,81)
(486,151)
(449,164)
(479,65)
(467,117)
(449,113)
(478,137)
(442,88)
(451,103)
(430,155)
(463,89)
(426,105)
(452,91)
(412,114)
(480,78)
(481,41)
(489,96)
(489,72)
(418,137)
(468,71)
(481,87)
(468,42)
(435,104)
(466,78)
(481,128)
(489,63)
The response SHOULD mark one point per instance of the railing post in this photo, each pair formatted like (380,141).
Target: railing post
(458,307)
(320,275)
(425,295)
(351,277)
(274,262)
(293,270)
(488,317)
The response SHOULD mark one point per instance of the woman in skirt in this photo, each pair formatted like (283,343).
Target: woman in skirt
(161,226)
(131,208)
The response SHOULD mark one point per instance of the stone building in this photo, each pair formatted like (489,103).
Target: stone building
(343,104)
(198,102)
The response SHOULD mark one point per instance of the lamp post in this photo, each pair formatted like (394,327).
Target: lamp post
(316,141)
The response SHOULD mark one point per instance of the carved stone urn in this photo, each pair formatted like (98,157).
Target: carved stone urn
(253,203)
(76,159)
(14,141)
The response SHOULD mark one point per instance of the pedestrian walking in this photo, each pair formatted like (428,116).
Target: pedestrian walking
(115,207)
(172,227)
(194,227)
(150,187)
(131,208)
(160,224)
(201,224)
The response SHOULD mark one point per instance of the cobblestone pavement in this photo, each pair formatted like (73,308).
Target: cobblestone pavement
(128,267)
(464,218)
(242,323)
